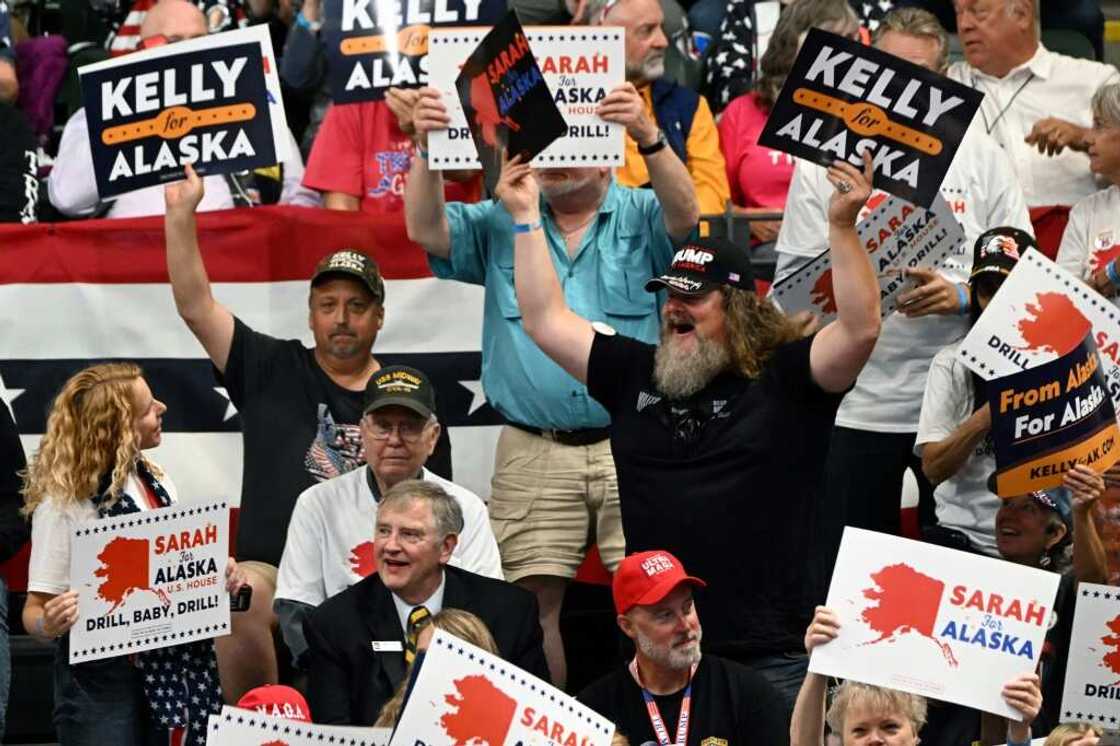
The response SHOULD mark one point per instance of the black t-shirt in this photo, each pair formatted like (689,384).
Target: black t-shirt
(728,481)
(298,426)
(730,702)
(1055,651)
(19,185)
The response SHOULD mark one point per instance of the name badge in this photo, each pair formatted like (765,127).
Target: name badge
(387,646)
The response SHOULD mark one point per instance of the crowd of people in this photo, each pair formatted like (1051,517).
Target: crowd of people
(656,404)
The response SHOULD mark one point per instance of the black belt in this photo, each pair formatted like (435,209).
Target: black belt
(586,437)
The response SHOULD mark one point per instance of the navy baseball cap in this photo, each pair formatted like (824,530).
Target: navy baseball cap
(703,265)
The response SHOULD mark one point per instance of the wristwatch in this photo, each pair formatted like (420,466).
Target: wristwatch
(657,145)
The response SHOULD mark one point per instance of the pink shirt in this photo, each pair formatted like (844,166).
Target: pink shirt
(759,176)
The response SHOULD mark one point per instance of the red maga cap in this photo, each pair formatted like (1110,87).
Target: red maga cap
(276,699)
(646,578)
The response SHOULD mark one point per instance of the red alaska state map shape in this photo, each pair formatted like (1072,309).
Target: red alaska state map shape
(1054,324)
(362,559)
(1098,259)
(484,713)
(908,602)
(1111,659)
(822,293)
(124,566)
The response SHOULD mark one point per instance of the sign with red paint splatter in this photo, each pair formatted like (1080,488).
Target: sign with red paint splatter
(149,580)
(933,621)
(465,696)
(239,727)
(580,66)
(897,235)
(1039,314)
(1092,686)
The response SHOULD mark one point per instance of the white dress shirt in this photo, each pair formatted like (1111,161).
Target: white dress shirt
(1047,85)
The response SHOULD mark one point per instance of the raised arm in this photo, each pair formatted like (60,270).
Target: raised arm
(667,175)
(1090,562)
(564,336)
(423,191)
(843,346)
(807,725)
(944,458)
(209,321)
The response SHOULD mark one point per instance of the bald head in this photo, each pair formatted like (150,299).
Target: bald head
(175,19)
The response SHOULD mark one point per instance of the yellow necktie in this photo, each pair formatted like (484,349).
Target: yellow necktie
(418,618)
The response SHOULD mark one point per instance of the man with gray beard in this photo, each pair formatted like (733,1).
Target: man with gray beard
(719,433)
(670,688)
(554,490)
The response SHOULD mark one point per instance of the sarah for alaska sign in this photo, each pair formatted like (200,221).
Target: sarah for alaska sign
(843,98)
(374,45)
(277,727)
(934,621)
(213,102)
(898,236)
(149,580)
(1040,313)
(465,695)
(579,66)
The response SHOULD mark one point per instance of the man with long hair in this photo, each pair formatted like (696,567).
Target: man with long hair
(718,432)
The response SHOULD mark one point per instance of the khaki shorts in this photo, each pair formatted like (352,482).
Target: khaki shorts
(550,502)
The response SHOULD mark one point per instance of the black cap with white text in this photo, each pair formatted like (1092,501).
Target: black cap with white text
(703,265)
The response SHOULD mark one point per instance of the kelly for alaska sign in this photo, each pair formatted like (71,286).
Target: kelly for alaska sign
(149,580)
(1049,418)
(933,621)
(464,695)
(842,98)
(1092,687)
(213,102)
(898,236)
(580,66)
(374,45)
(1039,314)
(238,727)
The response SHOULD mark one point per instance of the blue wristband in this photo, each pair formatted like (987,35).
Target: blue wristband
(1112,274)
(526,227)
(1018,743)
(962,299)
(302,21)
(422,152)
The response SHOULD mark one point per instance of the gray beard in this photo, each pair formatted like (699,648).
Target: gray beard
(671,658)
(678,375)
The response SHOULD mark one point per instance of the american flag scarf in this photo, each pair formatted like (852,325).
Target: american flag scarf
(181,681)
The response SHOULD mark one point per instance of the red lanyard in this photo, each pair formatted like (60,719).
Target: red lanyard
(655,718)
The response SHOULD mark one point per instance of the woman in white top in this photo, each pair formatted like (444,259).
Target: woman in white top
(90,464)
(1091,243)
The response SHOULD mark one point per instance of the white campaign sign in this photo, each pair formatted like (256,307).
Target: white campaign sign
(238,727)
(580,65)
(934,621)
(1092,687)
(1040,313)
(149,580)
(898,236)
(465,695)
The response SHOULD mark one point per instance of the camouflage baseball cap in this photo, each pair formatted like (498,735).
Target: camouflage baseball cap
(353,263)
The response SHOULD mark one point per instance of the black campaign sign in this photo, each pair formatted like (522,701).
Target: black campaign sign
(374,45)
(842,98)
(150,116)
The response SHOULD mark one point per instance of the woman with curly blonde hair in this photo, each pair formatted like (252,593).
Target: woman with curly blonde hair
(90,465)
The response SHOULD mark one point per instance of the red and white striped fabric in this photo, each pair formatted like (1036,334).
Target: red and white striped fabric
(75,293)
(127,37)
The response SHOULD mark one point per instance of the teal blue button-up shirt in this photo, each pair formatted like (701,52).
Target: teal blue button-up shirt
(605,281)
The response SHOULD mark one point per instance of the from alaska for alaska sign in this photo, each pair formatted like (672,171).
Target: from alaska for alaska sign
(842,98)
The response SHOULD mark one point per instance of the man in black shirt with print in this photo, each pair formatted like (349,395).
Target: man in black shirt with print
(669,689)
(300,410)
(719,433)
